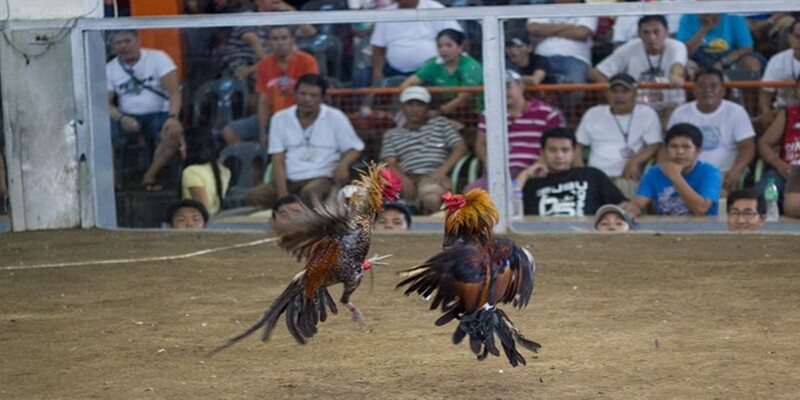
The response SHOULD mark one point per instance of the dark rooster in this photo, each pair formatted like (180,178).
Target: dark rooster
(334,245)
(472,274)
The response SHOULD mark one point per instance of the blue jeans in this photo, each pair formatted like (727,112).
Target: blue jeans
(568,69)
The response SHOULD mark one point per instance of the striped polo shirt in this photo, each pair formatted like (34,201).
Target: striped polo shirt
(421,151)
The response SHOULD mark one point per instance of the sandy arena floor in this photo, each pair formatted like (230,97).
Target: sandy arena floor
(639,316)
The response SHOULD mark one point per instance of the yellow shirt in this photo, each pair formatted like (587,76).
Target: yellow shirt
(201,175)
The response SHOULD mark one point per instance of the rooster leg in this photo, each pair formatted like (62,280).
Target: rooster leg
(357,316)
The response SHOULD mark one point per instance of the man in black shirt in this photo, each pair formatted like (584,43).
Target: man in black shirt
(566,190)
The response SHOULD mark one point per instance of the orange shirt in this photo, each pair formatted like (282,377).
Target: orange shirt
(278,84)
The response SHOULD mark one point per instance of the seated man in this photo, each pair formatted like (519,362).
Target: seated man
(681,185)
(653,57)
(728,136)
(312,146)
(567,190)
(422,151)
(186,214)
(784,66)
(783,133)
(521,59)
(747,210)
(791,197)
(566,44)
(144,99)
(719,41)
(276,75)
(394,217)
(528,119)
(621,135)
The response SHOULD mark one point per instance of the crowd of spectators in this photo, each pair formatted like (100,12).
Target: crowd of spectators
(646,150)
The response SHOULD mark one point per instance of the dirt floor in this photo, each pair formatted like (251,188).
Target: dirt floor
(640,316)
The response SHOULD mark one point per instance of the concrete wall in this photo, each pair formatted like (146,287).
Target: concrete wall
(39,110)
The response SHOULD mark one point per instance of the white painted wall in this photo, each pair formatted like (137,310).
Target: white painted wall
(50,9)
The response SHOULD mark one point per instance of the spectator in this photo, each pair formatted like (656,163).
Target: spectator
(612,218)
(791,197)
(394,217)
(527,120)
(312,146)
(288,207)
(422,151)
(567,190)
(784,132)
(204,179)
(248,44)
(747,210)
(728,135)
(275,79)
(683,184)
(719,41)
(186,214)
(783,66)
(566,44)
(521,58)
(400,48)
(144,99)
(622,136)
(626,28)
(362,50)
(452,67)
(653,57)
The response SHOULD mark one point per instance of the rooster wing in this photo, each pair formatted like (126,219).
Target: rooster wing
(515,272)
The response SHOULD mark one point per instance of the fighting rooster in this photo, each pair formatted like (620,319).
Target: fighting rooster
(472,274)
(334,245)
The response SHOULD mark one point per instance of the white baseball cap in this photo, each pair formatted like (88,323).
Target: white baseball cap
(415,93)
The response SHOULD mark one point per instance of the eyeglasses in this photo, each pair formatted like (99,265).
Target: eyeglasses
(747,214)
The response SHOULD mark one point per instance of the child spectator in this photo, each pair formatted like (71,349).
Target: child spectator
(204,179)
(186,214)
(784,132)
(682,185)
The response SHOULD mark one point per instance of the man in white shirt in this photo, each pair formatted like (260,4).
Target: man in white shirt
(400,48)
(144,98)
(784,66)
(566,43)
(728,136)
(311,145)
(622,135)
(653,57)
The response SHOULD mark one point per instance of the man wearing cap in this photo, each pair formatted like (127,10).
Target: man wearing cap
(653,57)
(612,218)
(728,135)
(394,217)
(422,151)
(521,58)
(527,120)
(621,135)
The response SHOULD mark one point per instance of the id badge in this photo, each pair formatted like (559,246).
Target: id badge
(626,152)
(307,155)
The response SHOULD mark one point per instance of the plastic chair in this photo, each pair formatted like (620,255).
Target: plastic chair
(228,99)
(455,173)
(241,158)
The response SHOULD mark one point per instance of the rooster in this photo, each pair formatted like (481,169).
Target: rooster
(334,245)
(473,273)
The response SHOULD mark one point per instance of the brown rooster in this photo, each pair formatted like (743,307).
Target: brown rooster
(334,245)
(472,274)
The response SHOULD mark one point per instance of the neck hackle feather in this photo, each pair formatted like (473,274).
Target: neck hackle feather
(475,217)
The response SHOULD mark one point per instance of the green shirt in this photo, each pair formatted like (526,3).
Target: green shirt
(468,73)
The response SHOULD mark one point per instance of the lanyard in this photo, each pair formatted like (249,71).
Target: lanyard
(624,132)
(660,59)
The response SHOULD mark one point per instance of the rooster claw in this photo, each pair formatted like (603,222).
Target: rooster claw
(376,259)
(359,317)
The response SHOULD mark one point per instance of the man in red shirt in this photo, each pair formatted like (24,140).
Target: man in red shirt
(275,78)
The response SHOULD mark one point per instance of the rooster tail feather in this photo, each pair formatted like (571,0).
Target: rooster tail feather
(279,306)
(483,325)
(303,315)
